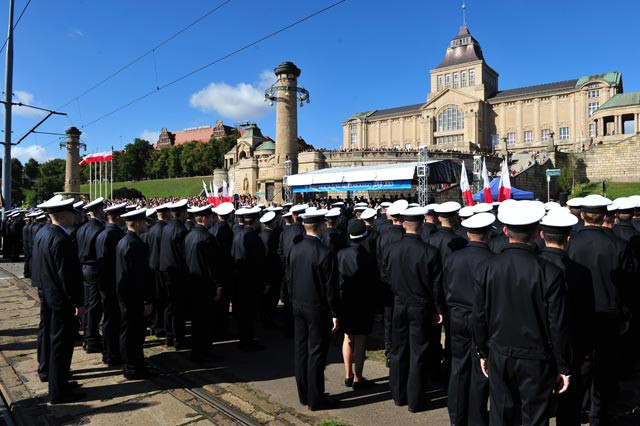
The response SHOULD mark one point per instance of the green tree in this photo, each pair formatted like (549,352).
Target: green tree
(134,160)
(44,188)
(567,177)
(220,147)
(157,164)
(32,169)
(188,158)
(53,167)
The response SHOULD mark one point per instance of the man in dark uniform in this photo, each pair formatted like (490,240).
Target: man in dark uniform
(200,253)
(248,254)
(315,299)
(134,284)
(86,238)
(610,261)
(333,237)
(173,264)
(57,272)
(555,229)
(273,268)
(525,354)
(575,205)
(223,234)
(154,235)
(106,243)
(391,234)
(430,222)
(27,243)
(414,270)
(382,221)
(636,212)
(468,388)
(371,242)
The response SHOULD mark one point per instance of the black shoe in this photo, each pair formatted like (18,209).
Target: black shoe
(43,379)
(140,375)
(93,349)
(417,409)
(251,347)
(73,384)
(388,363)
(400,403)
(68,398)
(348,382)
(180,346)
(329,404)
(170,342)
(113,362)
(361,384)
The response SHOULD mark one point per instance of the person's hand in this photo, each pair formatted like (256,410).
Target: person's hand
(563,383)
(148,308)
(437,319)
(336,325)
(79,312)
(218,295)
(484,367)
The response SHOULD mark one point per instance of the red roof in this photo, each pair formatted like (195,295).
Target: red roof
(202,134)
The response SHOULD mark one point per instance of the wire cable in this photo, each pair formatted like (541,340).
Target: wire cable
(24,9)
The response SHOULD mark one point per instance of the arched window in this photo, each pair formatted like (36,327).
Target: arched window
(243,155)
(450,118)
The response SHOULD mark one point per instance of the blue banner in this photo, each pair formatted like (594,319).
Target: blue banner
(355,186)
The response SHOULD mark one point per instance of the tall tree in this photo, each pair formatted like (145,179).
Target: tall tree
(135,158)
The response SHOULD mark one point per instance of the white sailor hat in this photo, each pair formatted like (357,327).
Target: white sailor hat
(262,206)
(268,217)
(414,214)
(397,207)
(252,212)
(479,223)
(521,213)
(495,204)
(575,203)
(595,203)
(360,208)
(466,211)
(274,209)
(625,203)
(131,207)
(314,216)
(33,214)
(116,209)
(98,203)
(368,214)
(78,206)
(311,209)
(361,204)
(558,218)
(431,209)
(150,213)
(506,204)
(612,208)
(163,207)
(287,205)
(56,204)
(182,204)
(337,204)
(482,208)
(223,209)
(413,205)
(42,216)
(551,205)
(635,198)
(385,204)
(448,208)
(299,208)
(57,197)
(287,214)
(135,215)
(201,211)
(241,211)
(333,213)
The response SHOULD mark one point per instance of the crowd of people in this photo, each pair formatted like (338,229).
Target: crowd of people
(538,302)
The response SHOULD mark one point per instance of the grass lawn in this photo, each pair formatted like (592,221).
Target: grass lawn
(614,189)
(177,187)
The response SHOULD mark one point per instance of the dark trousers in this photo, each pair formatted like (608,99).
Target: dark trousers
(160,303)
(43,338)
(201,317)
(247,302)
(604,387)
(27,264)
(132,334)
(411,340)
(468,387)
(269,301)
(569,409)
(520,386)
(312,334)
(62,330)
(174,313)
(93,308)
(111,326)
(388,328)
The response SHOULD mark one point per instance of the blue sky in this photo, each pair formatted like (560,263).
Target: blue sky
(358,56)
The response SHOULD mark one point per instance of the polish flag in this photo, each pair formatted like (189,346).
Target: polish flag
(504,189)
(464,186)
(225,193)
(488,198)
(107,156)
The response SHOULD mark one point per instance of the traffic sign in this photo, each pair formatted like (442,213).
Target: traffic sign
(553,172)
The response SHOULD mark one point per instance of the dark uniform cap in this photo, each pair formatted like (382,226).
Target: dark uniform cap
(357,230)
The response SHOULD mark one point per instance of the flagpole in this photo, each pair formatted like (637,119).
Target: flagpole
(112,172)
(90,192)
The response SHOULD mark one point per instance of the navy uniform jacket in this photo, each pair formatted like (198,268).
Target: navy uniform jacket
(499,243)
(106,244)
(428,230)
(200,251)
(172,256)
(86,237)
(446,240)
(625,230)
(460,275)
(273,264)
(223,234)
(359,277)
(289,237)
(381,222)
(56,270)
(390,235)
(334,239)
(520,308)
(580,298)
(134,280)
(313,277)
(636,224)
(609,259)
(27,240)
(414,271)
(248,254)
(153,241)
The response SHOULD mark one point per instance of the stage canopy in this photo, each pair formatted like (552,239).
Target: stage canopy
(516,194)
(381,177)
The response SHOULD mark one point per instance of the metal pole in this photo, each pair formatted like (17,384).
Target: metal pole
(90,182)
(548,180)
(100,181)
(8,91)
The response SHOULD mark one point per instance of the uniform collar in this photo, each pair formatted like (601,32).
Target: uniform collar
(478,244)
(625,224)
(415,236)
(519,246)
(312,237)
(553,250)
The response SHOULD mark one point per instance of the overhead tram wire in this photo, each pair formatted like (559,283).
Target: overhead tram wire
(24,9)
(220,59)
(147,53)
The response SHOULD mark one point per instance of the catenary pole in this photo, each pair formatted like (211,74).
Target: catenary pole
(8,90)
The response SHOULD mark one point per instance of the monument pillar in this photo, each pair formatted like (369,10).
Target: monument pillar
(72,169)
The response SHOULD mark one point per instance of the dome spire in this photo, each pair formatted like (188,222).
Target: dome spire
(464,14)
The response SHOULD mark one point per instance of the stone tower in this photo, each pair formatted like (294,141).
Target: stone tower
(286,124)
(72,170)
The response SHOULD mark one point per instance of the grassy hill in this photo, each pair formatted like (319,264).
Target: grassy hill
(175,187)
(614,189)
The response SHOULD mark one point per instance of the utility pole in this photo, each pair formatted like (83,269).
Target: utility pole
(8,91)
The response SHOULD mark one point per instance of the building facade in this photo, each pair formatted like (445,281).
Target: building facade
(466,111)
(195,134)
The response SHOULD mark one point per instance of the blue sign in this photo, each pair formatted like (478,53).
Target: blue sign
(553,172)
(394,185)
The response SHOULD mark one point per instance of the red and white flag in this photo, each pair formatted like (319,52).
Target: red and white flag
(107,156)
(464,186)
(504,189)
(488,198)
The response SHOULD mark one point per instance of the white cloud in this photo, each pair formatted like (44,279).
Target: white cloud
(75,32)
(25,98)
(150,136)
(244,101)
(37,152)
